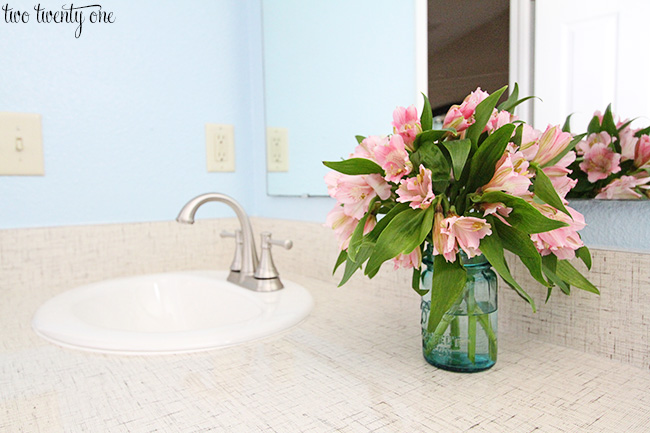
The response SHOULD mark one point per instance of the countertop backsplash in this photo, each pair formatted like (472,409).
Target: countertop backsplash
(38,263)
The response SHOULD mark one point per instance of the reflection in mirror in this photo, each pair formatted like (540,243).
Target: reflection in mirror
(332,70)
(467,48)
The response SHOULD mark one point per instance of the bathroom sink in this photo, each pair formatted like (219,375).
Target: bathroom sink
(168,313)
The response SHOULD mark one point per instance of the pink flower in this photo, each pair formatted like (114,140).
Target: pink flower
(394,159)
(529,141)
(366,149)
(600,161)
(342,225)
(499,119)
(409,261)
(460,117)
(559,174)
(563,241)
(642,152)
(468,232)
(551,143)
(406,124)
(417,190)
(623,188)
(356,192)
(628,143)
(583,146)
(443,242)
(455,232)
(509,178)
(499,210)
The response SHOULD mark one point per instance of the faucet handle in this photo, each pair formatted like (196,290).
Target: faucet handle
(235,266)
(266,268)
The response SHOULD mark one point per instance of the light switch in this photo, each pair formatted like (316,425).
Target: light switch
(277,149)
(220,147)
(21,144)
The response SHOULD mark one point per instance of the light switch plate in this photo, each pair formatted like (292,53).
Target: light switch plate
(220,147)
(21,144)
(277,149)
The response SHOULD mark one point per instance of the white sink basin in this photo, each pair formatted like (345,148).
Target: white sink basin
(168,313)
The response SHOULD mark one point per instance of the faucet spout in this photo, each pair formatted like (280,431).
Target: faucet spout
(249,253)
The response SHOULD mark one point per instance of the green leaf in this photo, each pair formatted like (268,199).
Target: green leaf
(521,245)
(484,161)
(343,256)
(512,99)
(458,151)
(415,282)
(359,138)
(432,158)
(447,286)
(492,249)
(405,232)
(545,190)
(354,166)
(382,223)
(357,235)
(549,266)
(523,216)
(571,275)
(594,125)
(431,136)
(608,123)
(567,124)
(351,266)
(584,254)
(426,119)
(482,115)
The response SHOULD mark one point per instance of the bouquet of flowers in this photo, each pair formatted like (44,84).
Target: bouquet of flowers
(484,183)
(613,160)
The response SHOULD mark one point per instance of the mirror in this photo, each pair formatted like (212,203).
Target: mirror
(332,70)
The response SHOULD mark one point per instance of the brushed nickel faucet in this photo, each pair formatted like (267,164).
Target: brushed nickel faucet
(246,269)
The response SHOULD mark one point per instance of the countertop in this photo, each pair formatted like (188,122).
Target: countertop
(354,365)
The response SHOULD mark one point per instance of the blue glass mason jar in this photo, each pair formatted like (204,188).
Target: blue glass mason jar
(465,340)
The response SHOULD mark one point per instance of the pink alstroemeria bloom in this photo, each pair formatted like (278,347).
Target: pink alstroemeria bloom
(623,188)
(443,242)
(499,119)
(356,192)
(559,175)
(344,225)
(600,161)
(499,210)
(417,190)
(460,117)
(642,152)
(366,149)
(551,143)
(394,159)
(563,241)
(408,261)
(529,142)
(584,145)
(628,143)
(468,232)
(407,124)
(508,177)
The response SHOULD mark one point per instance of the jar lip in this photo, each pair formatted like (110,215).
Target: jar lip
(474,261)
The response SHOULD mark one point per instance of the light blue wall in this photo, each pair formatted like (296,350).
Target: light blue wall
(124,108)
(123,113)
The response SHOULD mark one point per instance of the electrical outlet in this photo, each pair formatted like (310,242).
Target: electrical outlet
(21,144)
(277,149)
(220,147)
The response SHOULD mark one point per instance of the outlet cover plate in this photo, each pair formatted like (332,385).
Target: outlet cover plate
(277,149)
(220,147)
(21,145)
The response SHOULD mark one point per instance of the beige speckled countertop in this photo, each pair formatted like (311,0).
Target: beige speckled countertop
(353,365)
